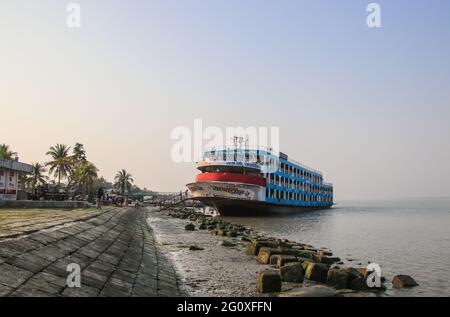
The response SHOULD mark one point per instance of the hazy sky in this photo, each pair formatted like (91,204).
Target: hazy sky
(368,107)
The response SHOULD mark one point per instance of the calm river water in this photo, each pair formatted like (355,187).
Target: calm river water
(403,237)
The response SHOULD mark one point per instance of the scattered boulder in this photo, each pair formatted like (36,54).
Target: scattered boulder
(285,258)
(195,248)
(269,282)
(305,254)
(292,272)
(317,272)
(226,243)
(253,247)
(362,271)
(305,264)
(336,259)
(400,281)
(338,278)
(265,253)
(274,259)
(283,244)
(324,253)
(322,259)
(221,233)
(202,226)
(358,284)
(353,273)
(189,227)
(232,233)
(302,260)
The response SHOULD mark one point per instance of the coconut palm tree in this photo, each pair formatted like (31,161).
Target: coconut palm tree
(123,181)
(36,177)
(6,153)
(85,175)
(78,157)
(79,154)
(61,164)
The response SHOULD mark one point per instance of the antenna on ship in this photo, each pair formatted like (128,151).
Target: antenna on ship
(235,141)
(246,142)
(238,140)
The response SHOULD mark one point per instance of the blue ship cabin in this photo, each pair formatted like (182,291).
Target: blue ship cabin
(287,182)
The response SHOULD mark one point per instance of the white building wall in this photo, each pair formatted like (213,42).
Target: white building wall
(8,184)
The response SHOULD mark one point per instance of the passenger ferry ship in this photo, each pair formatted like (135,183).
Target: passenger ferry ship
(256,182)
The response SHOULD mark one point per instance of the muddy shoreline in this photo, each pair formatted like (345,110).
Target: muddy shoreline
(212,258)
(213,271)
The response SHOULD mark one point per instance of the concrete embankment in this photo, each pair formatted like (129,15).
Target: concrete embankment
(32,204)
(115,251)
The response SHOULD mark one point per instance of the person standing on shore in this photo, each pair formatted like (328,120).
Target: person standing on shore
(100,198)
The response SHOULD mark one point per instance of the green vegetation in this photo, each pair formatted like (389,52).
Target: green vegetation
(61,164)
(73,173)
(6,153)
(35,178)
(85,175)
(123,181)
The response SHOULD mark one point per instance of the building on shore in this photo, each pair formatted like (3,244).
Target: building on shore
(9,177)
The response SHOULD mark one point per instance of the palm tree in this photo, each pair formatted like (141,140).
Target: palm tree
(61,164)
(123,181)
(78,157)
(103,183)
(79,154)
(6,153)
(85,175)
(36,177)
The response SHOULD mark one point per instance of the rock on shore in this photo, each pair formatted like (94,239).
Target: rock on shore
(269,282)
(292,272)
(290,261)
(401,281)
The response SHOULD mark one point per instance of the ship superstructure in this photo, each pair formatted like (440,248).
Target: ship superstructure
(242,181)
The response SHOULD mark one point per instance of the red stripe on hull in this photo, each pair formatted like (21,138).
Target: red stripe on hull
(231,177)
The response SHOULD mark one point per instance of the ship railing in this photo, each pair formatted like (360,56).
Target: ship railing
(209,157)
(174,198)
